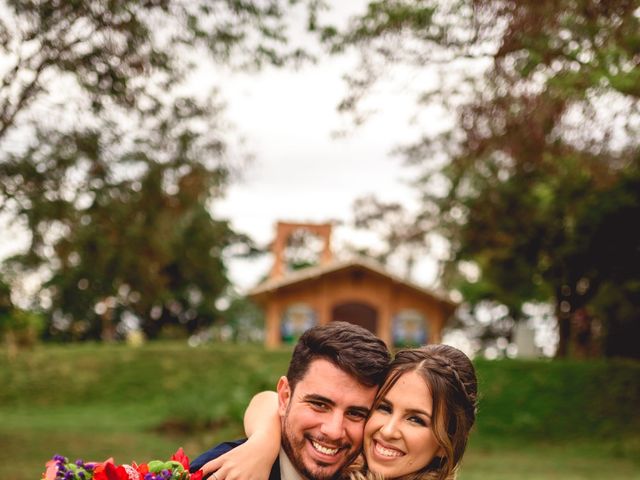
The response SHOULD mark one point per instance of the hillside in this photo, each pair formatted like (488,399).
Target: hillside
(95,401)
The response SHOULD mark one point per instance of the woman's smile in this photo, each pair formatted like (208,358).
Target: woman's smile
(386,450)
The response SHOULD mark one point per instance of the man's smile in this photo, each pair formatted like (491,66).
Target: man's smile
(325,452)
(323,449)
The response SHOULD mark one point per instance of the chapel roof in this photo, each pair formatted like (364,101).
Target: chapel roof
(306,274)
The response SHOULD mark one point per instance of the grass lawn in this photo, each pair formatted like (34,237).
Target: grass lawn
(577,460)
(537,420)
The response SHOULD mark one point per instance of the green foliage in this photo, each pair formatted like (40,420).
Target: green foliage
(617,302)
(246,319)
(6,304)
(383,16)
(167,371)
(557,399)
(18,327)
(21,327)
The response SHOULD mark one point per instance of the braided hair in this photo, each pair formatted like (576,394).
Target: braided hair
(451,379)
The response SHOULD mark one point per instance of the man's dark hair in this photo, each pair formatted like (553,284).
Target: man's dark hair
(351,348)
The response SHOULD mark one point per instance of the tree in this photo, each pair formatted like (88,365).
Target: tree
(18,328)
(134,235)
(613,250)
(112,170)
(540,139)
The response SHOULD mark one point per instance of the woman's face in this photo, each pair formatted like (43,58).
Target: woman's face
(398,438)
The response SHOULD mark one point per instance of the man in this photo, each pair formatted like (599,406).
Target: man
(324,400)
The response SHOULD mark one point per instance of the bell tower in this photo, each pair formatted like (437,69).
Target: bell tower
(284,231)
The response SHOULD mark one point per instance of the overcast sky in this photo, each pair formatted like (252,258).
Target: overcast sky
(301,171)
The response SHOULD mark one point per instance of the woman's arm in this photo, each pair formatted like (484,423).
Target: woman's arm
(261,417)
(253,459)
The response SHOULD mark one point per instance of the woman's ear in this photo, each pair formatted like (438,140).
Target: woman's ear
(284,395)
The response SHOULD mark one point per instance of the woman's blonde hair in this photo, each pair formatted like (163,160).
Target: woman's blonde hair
(451,379)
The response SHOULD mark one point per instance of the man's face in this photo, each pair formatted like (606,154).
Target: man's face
(323,419)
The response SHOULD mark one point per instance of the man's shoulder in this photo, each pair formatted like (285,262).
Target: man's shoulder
(214,452)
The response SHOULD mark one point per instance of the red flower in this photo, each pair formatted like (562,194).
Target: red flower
(179,456)
(142,469)
(196,475)
(108,471)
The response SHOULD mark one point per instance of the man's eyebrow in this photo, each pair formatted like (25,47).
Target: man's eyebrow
(363,410)
(312,397)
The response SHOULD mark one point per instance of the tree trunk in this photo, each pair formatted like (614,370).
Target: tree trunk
(564,332)
(108,331)
(582,334)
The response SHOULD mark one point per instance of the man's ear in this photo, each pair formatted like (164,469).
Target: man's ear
(284,395)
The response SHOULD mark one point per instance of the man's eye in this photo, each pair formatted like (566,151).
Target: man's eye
(318,405)
(357,415)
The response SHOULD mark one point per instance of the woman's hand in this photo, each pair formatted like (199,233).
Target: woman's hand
(254,458)
(250,461)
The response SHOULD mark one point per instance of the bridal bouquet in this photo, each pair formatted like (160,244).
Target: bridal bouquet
(59,468)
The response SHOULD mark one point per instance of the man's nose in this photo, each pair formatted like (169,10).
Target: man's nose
(333,426)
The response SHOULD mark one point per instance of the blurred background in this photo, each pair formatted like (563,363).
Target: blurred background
(174,174)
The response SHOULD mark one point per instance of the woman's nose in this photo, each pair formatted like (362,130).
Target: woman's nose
(390,428)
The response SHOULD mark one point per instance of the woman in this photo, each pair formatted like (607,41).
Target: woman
(417,430)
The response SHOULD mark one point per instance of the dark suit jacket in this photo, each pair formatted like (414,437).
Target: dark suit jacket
(223,448)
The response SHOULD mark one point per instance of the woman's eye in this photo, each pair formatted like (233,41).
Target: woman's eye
(383,407)
(418,421)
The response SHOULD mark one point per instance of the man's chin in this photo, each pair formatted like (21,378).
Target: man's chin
(316,469)
(321,473)
(313,464)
